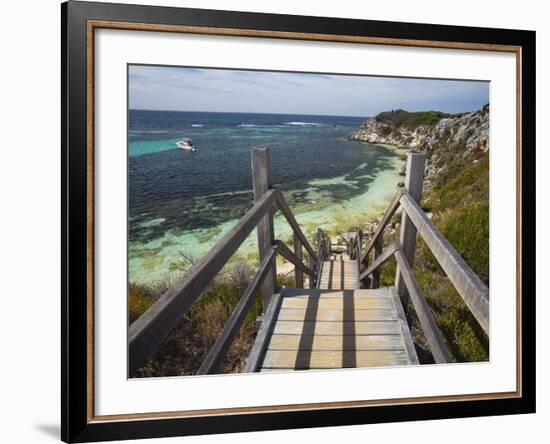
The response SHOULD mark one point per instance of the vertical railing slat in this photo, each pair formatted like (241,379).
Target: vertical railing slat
(298,274)
(261,184)
(413,184)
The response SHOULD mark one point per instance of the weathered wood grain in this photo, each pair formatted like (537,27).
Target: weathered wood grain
(339,303)
(335,343)
(300,314)
(405,330)
(308,335)
(148,330)
(324,293)
(337,328)
(258,348)
(287,213)
(218,351)
(378,244)
(298,273)
(333,359)
(380,260)
(429,327)
(472,290)
(407,237)
(261,184)
(390,211)
(339,273)
(284,251)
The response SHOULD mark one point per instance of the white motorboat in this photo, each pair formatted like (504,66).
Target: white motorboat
(186,144)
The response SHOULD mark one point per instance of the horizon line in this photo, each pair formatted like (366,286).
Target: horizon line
(244,112)
(294,114)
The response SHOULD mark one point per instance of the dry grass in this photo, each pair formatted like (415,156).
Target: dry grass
(185,348)
(459,202)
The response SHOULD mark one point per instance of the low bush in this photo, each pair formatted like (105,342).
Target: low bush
(402,118)
(186,346)
(460,205)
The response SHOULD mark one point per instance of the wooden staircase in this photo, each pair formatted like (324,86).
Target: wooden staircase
(343,319)
(336,325)
(327,329)
(338,273)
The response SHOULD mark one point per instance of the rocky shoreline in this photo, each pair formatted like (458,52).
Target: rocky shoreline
(441,136)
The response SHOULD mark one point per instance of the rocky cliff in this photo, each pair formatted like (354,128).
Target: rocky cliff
(443,137)
(428,131)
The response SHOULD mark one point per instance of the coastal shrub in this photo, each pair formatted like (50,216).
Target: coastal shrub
(465,340)
(459,201)
(459,183)
(184,349)
(467,229)
(446,135)
(139,300)
(402,118)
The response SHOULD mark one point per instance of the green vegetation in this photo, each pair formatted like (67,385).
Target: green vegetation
(184,349)
(401,118)
(460,208)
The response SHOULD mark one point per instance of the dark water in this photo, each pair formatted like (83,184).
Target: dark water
(188,190)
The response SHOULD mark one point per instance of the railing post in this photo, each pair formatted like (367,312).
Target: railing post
(320,244)
(298,274)
(358,246)
(312,266)
(375,282)
(261,183)
(413,184)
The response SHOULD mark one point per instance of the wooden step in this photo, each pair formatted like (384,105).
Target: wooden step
(338,274)
(302,360)
(334,315)
(321,329)
(317,303)
(305,328)
(332,342)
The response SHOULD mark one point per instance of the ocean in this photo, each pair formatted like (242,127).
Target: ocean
(180,202)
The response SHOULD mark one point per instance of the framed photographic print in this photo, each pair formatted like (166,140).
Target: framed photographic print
(275,221)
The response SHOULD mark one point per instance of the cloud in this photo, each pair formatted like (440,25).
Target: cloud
(225,90)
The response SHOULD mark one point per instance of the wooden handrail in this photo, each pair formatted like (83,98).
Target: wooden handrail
(298,274)
(380,260)
(390,211)
(263,336)
(218,351)
(153,326)
(427,322)
(429,327)
(287,213)
(321,254)
(470,287)
(358,239)
(291,257)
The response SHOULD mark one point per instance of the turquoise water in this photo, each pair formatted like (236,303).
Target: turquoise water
(181,203)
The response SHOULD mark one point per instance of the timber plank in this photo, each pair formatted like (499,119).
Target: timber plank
(405,330)
(338,303)
(264,333)
(335,343)
(333,359)
(308,328)
(324,293)
(301,314)
(331,329)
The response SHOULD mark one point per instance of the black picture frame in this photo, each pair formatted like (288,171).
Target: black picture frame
(76,423)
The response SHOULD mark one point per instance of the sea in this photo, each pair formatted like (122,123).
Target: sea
(181,202)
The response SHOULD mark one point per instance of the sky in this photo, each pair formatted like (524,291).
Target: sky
(224,90)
